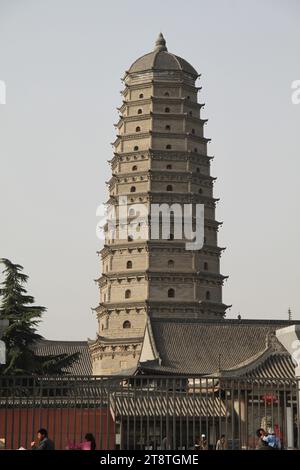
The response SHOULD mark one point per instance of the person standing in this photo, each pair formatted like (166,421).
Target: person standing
(262,444)
(203,442)
(43,441)
(90,439)
(221,443)
(166,443)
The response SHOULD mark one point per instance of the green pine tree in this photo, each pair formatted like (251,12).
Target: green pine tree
(21,335)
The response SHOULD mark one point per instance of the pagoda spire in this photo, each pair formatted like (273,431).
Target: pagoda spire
(160,44)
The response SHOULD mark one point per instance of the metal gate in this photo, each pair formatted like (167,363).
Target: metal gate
(148,412)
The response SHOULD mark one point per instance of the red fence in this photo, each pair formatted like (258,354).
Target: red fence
(18,426)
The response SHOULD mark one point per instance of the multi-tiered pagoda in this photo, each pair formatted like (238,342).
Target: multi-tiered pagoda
(160,157)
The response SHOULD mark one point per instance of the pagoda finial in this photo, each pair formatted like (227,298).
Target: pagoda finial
(160,44)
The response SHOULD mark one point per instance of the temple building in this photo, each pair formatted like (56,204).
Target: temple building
(167,370)
(161,309)
(160,157)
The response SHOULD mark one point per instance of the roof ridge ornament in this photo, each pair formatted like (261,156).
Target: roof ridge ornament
(273,343)
(160,44)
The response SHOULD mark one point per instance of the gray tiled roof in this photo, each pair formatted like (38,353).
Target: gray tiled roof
(161,60)
(162,404)
(192,346)
(276,366)
(84,364)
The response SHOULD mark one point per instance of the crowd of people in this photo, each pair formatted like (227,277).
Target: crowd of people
(202,444)
(265,441)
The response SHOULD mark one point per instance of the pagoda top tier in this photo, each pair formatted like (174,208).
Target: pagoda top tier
(162,60)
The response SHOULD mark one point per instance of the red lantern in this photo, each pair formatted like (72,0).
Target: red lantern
(269,398)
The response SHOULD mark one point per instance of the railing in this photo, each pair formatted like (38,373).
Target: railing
(147,412)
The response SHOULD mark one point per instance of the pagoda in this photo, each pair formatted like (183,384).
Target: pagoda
(160,157)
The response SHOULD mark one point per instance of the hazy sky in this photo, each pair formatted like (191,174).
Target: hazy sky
(62,61)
